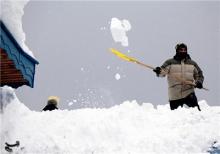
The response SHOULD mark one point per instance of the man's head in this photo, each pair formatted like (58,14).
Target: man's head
(180,47)
(53,100)
(181,50)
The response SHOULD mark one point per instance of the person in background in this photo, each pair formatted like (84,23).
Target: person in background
(181,66)
(51,103)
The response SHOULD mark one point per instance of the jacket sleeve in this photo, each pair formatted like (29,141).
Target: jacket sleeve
(166,68)
(198,74)
(45,108)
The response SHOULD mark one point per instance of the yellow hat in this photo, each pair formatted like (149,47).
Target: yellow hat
(53,100)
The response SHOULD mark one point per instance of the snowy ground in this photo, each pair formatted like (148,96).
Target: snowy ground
(125,129)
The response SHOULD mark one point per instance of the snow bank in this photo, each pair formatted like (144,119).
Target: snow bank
(118,30)
(122,129)
(11,14)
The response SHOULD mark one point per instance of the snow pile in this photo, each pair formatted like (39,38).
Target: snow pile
(7,96)
(11,14)
(123,129)
(118,30)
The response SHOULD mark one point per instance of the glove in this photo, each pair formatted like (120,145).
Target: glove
(157,70)
(199,85)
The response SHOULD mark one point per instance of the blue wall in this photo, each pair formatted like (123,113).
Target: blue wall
(23,62)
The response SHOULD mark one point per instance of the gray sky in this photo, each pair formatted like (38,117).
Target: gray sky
(67,37)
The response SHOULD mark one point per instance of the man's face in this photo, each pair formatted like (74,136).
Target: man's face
(182,53)
(182,50)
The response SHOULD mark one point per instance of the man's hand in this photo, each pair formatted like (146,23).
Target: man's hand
(157,70)
(199,85)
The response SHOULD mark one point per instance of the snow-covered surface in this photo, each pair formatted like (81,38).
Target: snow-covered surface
(118,30)
(11,14)
(122,129)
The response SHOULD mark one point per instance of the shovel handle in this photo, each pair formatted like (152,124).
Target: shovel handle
(174,76)
(145,65)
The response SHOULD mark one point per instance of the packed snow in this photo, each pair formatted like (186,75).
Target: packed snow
(11,14)
(121,129)
(118,30)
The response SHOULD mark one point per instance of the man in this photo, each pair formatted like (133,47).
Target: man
(51,103)
(183,75)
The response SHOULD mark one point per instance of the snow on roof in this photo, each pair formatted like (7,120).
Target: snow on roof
(11,14)
(125,128)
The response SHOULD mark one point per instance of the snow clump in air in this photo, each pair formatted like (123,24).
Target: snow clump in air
(117,76)
(118,30)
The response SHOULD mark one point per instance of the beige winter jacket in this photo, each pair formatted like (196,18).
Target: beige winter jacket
(185,69)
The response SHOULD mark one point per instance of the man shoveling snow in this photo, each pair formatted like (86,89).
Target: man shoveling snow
(184,75)
(180,91)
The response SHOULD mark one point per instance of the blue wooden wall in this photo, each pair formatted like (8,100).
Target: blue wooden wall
(23,62)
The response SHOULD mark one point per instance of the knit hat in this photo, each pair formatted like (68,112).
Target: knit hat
(53,100)
(180,45)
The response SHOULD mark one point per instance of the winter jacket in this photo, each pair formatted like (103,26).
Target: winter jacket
(186,69)
(50,107)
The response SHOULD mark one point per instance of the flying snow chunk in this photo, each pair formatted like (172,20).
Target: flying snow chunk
(118,30)
(70,103)
(102,28)
(108,67)
(117,76)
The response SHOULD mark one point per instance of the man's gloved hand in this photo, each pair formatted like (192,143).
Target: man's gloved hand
(199,85)
(157,70)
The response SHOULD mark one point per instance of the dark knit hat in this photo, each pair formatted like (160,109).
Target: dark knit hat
(180,45)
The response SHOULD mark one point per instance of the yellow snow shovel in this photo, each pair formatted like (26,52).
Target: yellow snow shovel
(125,57)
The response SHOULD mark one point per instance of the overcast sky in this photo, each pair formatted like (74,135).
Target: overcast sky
(71,41)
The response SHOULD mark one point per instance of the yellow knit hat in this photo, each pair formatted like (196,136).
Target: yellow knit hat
(53,100)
